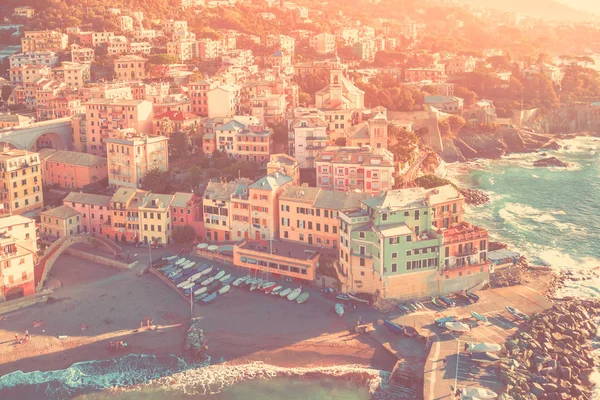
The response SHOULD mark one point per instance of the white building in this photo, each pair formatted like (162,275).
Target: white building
(47,58)
(308,135)
(223,101)
(323,43)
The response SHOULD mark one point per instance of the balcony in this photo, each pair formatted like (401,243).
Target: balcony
(464,232)
(467,252)
(366,254)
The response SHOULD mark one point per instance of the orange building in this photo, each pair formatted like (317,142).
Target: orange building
(253,143)
(59,107)
(71,169)
(186,209)
(198,91)
(18,245)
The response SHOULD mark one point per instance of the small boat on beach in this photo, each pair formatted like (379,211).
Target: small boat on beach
(208,281)
(473,297)
(188,265)
(268,285)
(403,308)
(224,289)
(484,357)
(294,294)
(224,278)
(478,316)
(200,291)
(181,261)
(477,393)
(170,258)
(207,270)
(201,296)
(515,312)
(302,298)
(227,281)
(394,327)
(277,289)
(418,304)
(285,292)
(238,281)
(354,297)
(188,286)
(483,347)
(253,287)
(447,301)
(339,309)
(209,298)
(441,322)
(410,306)
(219,275)
(457,327)
(269,289)
(343,297)
(437,303)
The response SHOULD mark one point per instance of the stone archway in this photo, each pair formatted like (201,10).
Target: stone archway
(49,140)
(43,267)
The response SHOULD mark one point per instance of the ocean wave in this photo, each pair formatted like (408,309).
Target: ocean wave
(514,211)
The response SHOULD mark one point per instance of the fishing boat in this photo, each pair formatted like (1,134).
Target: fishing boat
(219,275)
(209,298)
(253,287)
(410,331)
(457,327)
(515,312)
(478,316)
(418,304)
(302,298)
(176,276)
(403,308)
(411,306)
(201,296)
(269,289)
(473,297)
(447,301)
(343,297)
(224,289)
(268,285)
(354,297)
(285,292)
(394,327)
(200,291)
(207,270)
(227,281)
(339,309)
(224,278)
(441,322)
(181,261)
(213,287)
(260,284)
(188,265)
(477,393)
(294,294)
(437,303)
(238,282)
(484,357)
(196,276)
(207,281)
(189,285)
(483,347)
(166,267)
(170,258)
(277,289)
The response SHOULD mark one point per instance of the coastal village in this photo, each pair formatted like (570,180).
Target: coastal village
(203,168)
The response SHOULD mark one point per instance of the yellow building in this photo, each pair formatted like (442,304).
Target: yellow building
(24,11)
(155,219)
(73,74)
(44,41)
(130,67)
(310,215)
(60,221)
(18,245)
(21,185)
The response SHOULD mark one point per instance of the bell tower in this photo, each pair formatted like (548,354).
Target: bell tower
(335,83)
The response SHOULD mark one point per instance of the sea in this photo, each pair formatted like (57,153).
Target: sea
(550,215)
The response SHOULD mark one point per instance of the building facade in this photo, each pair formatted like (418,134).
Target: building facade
(21,175)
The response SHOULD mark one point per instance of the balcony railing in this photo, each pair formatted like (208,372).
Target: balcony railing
(366,254)
(464,237)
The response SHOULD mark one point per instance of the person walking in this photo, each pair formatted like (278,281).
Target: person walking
(444,361)
(26,334)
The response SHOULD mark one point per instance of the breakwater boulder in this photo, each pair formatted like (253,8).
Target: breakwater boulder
(474,197)
(550,357)
(550,162)
(195,345)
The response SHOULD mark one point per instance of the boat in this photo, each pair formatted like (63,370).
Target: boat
(200,291)
(176,276)
(473,297)
(403,308)
(208,270)
(410,331)
(183,283)
(188,286)
(410,306)
(356,298)
(188,265)
(343,297)
(418,304)
(253,287)
(447,301)
(339,309)
(437,303)
(515,312)
(224,278)
(483,347)
(302,298)
(294,294)
(197,276)
(213,287)
(457,327)
(276,289)
(181,261)
(394,327)
(219,275)
(484,357)
(259,283)
(201,296)
(170,258)
(441,322)
(166,267)
(269,289)
(478,316)
(224,289)
(285,292)
(207,281)
(477,393)
(209,298)
(238,282)
(268,285)
(227,281)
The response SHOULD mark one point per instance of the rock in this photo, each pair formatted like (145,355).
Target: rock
(537,389)
(550,387)
(550,162)
(474,197)
(564,373)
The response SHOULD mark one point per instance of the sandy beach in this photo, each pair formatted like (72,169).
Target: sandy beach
(241,327)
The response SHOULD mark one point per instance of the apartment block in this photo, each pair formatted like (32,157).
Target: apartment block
(223,101)
(83,55)
(183,49)
(130,67)
(281,42)
(24,11)
(209,49)
(131,155)
(44,41)
(93,209)
(117,45)
(323,43)
(253,143)
(198,92)
(44,58)
(74,75)
(59,222)
(28,74)
(21,188)
(58,107)
(140,47)
(72,169)
(18,246)
(269,109)
(355,169)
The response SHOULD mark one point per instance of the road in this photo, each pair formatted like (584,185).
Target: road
(409,175)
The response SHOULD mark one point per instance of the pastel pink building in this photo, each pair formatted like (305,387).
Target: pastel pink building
(94,210)
(186,209)
(71,169)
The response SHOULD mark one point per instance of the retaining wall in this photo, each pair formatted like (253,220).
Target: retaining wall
(98,258)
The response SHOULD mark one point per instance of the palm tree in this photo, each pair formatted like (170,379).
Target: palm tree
(195,133)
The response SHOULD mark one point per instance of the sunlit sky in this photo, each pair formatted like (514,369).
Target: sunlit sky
(585,5)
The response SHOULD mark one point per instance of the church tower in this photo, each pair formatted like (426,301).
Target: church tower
(335,83)
(378,131)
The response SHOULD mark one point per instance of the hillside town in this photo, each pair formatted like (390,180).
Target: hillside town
(295,149)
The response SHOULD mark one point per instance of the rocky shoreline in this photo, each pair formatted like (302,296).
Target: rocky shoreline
(550,357)
(474,197)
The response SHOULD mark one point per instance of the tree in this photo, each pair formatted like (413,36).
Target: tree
(6,91)
(180,143)
(184,234)
(280,133)
(156,181)
(431,181)
(456,122)
(467,95)
(162,59)
(305,99)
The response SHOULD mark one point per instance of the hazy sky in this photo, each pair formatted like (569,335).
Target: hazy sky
(585,5)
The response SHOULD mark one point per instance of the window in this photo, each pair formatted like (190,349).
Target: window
(409,238)
(384,217)
(408,252)
(362,262)
(395,240)
(394,255)
(408,266)
(394,267)
(361,235)
(416,251)
(285,234)
(417,215)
